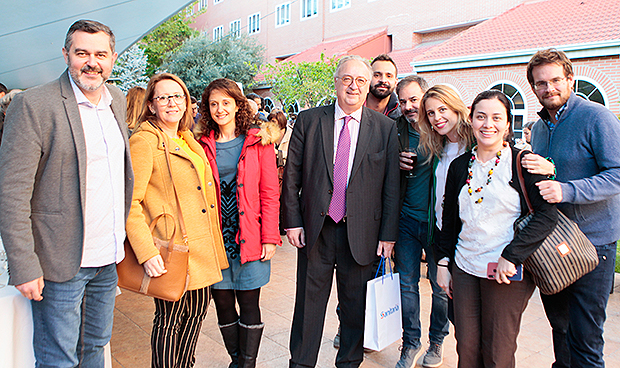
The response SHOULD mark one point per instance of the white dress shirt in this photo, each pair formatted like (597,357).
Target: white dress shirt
(104,217)
(354,132)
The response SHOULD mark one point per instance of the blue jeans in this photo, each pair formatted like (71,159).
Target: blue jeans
(73,322)
(577,314)
(412,238)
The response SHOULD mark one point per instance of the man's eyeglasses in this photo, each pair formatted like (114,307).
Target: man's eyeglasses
(164,100)
(555,82)
(347,80)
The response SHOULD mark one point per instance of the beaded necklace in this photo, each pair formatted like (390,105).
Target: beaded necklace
(470,174)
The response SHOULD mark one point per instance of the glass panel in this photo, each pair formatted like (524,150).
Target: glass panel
(509,90)
(597,96)
(585,87)
(518,126)
(517,99)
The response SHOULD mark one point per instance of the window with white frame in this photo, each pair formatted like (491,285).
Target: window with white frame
(254,23)
(218,32)
(203,4)
(309,8)
(214,1)
(517,104)
(588,90)
(283,14)
(339,4)
(235,27)
(268,104)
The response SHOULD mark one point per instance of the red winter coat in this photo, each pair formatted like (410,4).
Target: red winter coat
(258,199)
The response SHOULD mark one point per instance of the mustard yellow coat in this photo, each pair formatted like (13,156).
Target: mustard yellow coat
(153,194)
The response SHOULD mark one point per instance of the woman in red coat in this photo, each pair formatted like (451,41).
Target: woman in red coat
(244,168)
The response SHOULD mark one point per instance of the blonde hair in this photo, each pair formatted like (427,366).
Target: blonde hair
(431,142)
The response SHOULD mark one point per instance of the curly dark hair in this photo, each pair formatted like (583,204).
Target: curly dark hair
(243,118)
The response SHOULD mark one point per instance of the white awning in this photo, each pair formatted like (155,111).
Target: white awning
(32,33)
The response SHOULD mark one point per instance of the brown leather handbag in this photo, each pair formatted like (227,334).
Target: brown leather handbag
(172,285)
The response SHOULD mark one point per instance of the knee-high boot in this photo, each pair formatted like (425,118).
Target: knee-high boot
(230,334)
(249,342)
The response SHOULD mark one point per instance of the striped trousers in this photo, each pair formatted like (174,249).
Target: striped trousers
(176,327)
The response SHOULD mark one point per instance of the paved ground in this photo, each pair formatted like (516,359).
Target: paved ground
(133,318)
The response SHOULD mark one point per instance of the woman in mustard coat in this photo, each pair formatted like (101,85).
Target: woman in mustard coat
(165,121)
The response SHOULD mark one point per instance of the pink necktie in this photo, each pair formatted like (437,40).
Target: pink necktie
(338,205)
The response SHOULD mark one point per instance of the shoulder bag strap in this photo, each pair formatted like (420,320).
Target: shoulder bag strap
(176,194)
(522,182)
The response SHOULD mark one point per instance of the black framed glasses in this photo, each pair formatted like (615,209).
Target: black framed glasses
(165,100)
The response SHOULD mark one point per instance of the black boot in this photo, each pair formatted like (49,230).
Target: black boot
(230,334)
(249,341)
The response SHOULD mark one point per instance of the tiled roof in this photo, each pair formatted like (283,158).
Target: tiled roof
(403,58)
(336,47)
(536,25)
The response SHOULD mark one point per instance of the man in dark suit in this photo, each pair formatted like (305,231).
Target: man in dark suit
(340,201)
(65,192)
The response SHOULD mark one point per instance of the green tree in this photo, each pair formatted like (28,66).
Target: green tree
(309,83)
(166,38)
(199,61)
(130,69)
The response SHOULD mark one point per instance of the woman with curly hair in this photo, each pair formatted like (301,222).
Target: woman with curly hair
(242,157)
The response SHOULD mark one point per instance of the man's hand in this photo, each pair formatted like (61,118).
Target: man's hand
(536,164)
(32,289)
(405,161)
(385,248)
(550,190)
(296,237)
(155,267)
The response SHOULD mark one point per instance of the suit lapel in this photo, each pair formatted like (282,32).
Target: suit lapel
(327,128)
(362,142)
(77,130)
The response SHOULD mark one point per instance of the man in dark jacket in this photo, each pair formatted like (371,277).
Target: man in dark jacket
(415,184)
(382,98)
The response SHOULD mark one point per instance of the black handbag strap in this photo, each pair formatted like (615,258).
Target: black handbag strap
(522,182)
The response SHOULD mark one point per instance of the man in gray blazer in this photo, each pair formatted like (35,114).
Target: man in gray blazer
(65,190)
(339,212)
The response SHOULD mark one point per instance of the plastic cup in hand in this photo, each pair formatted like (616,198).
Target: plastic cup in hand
(412,154)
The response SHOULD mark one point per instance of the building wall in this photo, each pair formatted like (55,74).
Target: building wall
(604,72)
(402,17)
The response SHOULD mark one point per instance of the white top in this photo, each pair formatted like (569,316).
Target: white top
(487,226)
(450,152)
(354,132)
(104,216)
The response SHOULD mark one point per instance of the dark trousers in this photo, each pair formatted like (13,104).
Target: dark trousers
(315,270)
(176,327)
(577,314)
(487,318)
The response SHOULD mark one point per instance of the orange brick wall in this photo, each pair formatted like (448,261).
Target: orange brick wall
(603,71)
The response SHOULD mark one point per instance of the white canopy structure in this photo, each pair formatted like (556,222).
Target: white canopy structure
(32,32)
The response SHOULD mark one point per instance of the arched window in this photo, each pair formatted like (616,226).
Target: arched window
(291,107)
(268,104)
(588,90)
(517,102)
(327,100)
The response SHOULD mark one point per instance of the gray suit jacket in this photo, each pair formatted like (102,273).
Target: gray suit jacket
(43,181)
(373,190)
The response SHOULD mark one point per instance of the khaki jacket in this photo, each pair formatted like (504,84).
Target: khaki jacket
(154,194)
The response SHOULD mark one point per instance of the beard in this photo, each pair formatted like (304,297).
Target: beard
(555,104)
(407,113)
(85,85)
(380,94)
